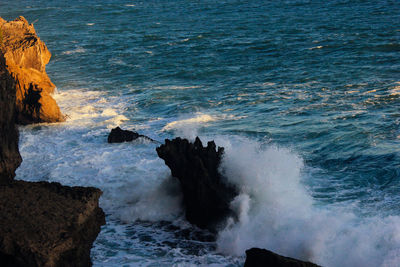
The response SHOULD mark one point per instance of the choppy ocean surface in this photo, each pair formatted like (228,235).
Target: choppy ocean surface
(304,96)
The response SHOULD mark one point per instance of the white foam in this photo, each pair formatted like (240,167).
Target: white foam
(188,127)
(175,87)
(159,202)
(75,51)
(76,152)
(109,112)
(277,213)
(85,108)
(193,121)
(316,47)
(275,209)
(395,90)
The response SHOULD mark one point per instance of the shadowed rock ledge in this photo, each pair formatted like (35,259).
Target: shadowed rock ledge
(206,194)
(26,57)
(47,224)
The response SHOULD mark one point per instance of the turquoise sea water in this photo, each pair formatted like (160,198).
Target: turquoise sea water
(305,96)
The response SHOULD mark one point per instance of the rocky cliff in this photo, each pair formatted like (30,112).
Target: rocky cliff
(41,224)
(9,154)
(25,58)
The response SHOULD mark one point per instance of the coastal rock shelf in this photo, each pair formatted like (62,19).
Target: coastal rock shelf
(47,224)
(26,57)
(207,196)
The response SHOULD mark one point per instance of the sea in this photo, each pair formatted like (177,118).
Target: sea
(303,94)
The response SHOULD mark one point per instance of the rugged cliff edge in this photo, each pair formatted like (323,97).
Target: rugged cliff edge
(25,58)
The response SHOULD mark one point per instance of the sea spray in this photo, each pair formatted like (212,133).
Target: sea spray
(161,203)
(277,213)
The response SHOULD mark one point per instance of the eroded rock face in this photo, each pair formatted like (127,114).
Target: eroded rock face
(10,158)
(47,224)
(206,194)
(26,57)
(256,257)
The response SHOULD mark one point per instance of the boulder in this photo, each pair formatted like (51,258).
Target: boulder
(25,58)
(117,135)
(47,224)
(256,257)
(10,158)
(206,194)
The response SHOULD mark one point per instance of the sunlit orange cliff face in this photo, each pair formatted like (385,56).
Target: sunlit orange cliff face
(26,57)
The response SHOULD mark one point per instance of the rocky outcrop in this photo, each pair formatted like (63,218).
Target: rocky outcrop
(256,257)
(206,194)
(47,224)
(25,58)
(10,158)
(41,224)
(117,135)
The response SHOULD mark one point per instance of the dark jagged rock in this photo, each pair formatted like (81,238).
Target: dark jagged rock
(47,224)
(206,194)
(257,257)
(10,158)
(117,135)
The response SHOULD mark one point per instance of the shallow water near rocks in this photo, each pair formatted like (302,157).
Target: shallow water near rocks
(304,96)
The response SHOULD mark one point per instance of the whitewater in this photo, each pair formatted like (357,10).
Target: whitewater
(303,96)
(143,203)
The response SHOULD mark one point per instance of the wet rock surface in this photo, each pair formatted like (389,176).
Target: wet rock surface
(206,194)
(47,224)
(26,57)
(256,257)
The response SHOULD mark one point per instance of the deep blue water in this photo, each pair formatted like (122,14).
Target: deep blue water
(318,79)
